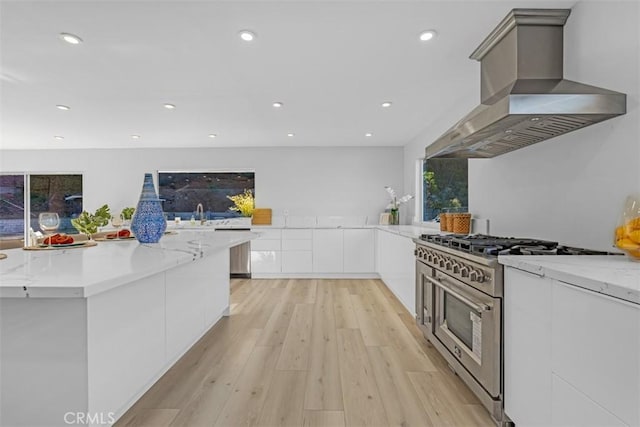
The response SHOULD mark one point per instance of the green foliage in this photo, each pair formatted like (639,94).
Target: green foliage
(127,213)
(87,223)
(446,186)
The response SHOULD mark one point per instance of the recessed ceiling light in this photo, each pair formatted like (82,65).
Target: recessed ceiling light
(508,131)
(247,35)
(291,134)
(135,136)
(535,119)
(278,104)
(427,35)
(63,107)
(386,104)
(368,134)
(212,135)
(70,38)
(169,106)
(58,137)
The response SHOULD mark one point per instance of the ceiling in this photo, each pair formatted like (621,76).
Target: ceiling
(332,64)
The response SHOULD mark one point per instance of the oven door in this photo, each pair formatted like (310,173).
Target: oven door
(467,322)
(424,299)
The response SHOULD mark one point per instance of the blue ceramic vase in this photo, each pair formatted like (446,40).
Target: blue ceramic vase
(148,223)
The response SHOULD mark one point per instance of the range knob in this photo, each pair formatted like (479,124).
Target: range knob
(464,271)
(476,276)
(455,267)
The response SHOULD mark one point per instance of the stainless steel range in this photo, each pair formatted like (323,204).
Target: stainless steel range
(459,289)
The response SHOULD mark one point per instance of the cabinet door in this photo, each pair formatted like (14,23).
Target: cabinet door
(359,250)
(572,408)
(596,348)
(397,266)
(297,262)
(328,251)
(297,234)
(265,245)
(527,348)
(266,261)
(268,233)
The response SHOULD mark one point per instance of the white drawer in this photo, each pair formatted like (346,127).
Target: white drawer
(268,233)
(297,245)
(297,262)
(297,234)
(265,245)
(266,261)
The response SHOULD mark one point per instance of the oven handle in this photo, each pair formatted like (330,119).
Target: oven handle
(476,306)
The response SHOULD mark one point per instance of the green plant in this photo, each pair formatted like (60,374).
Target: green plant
(88,223)
(127,213)
(244,203)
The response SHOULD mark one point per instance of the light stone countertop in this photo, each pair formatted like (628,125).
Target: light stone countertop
(82,272)
(615,276)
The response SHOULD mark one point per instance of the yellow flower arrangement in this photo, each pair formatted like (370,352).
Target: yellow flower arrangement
(244,203)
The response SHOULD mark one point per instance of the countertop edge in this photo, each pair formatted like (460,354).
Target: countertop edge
(28,290)
(578,277)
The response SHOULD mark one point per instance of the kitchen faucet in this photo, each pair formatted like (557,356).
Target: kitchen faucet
(200,210)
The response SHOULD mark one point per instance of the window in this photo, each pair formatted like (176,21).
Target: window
(444,187)
(12,206)
(59,193)
(181,192)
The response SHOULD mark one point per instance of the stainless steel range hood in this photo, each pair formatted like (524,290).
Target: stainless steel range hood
(524,97)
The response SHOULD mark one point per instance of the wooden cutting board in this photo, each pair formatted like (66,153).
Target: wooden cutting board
(261,216)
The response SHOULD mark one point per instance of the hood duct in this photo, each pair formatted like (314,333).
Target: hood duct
(524,96)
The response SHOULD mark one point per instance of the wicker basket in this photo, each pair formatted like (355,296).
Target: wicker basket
(450,222)
(461,223)
(444,222)
(261,217)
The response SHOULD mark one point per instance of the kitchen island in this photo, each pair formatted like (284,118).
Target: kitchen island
(84,332)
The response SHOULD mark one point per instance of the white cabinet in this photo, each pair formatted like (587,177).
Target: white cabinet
(527,348)
(266,261)
(359,250)
(297,262)
(396,266)
(572,356)
(266,252)
(569,407)
(328,251)
(596,348)
(297,251)
(314,252)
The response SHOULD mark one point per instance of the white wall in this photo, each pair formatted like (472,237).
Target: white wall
(305,181)
(570,188)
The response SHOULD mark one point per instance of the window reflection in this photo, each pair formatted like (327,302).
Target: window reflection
(11,206)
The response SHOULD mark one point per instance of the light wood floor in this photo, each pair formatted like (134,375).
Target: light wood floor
(310,353)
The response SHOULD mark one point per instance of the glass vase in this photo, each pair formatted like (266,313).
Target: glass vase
(627,234)
(394,217)
(148,223)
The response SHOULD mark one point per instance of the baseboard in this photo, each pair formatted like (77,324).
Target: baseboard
(315,275)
